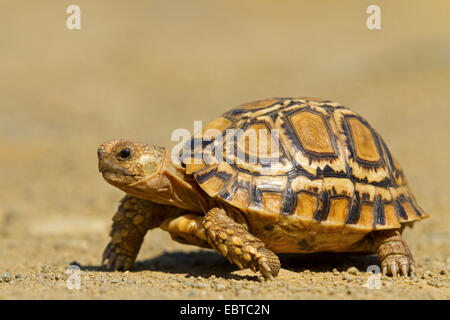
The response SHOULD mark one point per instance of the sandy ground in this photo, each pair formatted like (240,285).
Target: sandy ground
(142,69)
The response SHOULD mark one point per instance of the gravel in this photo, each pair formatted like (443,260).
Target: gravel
(7,277)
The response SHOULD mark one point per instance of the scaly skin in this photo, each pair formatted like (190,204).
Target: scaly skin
(229,238)
(233,241)
(187,229)
(133,219)
(394,254)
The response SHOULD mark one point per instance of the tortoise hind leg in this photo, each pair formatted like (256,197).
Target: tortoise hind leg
(394,253)
(232,240)
(187,229)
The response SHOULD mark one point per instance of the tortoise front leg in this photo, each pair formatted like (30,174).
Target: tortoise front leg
(232,240)
(394,253)
(133,219)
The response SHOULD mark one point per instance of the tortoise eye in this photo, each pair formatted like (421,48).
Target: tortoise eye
(124,153)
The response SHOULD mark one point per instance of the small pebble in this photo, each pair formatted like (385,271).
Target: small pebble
(433,283)
(7,277)
(353,270)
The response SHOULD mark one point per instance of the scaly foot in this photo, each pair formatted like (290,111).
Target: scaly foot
(234,242)
(394,254)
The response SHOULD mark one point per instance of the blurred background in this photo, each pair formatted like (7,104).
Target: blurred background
(141,69)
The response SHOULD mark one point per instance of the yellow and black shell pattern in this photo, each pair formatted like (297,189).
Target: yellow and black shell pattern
(305,162)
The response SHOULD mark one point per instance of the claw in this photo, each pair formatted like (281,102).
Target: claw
(119,262)
(385,269)
(111,260)
(394,269)
(413,271)
(404,269)
(106,253)
(238,263)
(265,266)
(266,271)
(267,275)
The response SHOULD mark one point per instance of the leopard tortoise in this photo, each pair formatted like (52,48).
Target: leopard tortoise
(315,177)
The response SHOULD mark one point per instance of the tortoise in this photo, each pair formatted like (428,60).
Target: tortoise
(281,175)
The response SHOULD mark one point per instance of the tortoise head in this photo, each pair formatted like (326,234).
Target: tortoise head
(147,172)
(126,164)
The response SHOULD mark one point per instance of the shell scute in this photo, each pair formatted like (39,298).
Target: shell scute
(311,132)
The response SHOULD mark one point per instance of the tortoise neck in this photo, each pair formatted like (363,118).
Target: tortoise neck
(184,191)
(172,186)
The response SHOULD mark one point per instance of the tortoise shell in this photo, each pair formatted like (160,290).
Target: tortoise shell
(303,162)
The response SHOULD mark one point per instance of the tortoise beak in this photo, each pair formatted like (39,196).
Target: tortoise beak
(101,166)
(106,165)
